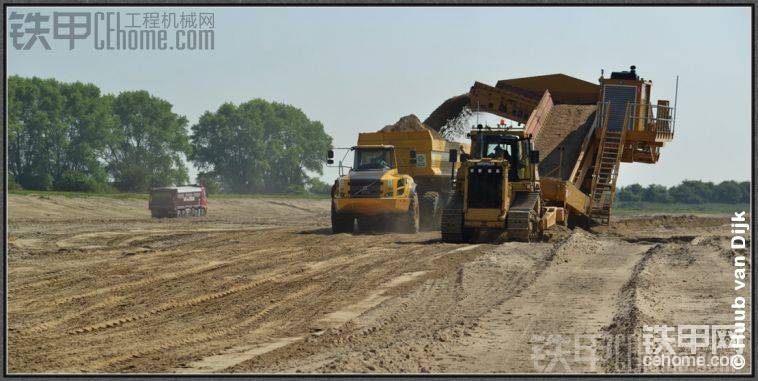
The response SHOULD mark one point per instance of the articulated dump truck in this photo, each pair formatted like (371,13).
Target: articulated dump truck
(582,130)
(400,180)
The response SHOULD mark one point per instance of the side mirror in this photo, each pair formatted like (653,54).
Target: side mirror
(534,157)
(330,154)
(453,155)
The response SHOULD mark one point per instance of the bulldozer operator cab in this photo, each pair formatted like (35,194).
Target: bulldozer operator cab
(374,158)
(498,147)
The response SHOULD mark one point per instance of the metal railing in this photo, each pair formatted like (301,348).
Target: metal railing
(659,118)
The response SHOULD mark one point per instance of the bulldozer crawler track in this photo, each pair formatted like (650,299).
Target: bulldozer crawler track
(520,221)
(452,221)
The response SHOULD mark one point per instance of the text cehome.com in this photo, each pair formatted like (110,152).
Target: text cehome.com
(109,35)
(111,31)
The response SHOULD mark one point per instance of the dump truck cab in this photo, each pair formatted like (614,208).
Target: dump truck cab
(374,193)
(496,188)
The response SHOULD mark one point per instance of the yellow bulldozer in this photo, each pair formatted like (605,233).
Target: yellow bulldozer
(399,180)
(498,188)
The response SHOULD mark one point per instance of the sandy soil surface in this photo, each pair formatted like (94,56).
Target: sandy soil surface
(260,285)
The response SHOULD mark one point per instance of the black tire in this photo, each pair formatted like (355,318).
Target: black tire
(411,219)
(341,224)
(430,211)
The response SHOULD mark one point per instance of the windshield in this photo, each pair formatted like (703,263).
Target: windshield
(373,158)
(508,148)
(499,151)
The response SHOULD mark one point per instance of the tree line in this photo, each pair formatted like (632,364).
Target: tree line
(72,137)
(688,192)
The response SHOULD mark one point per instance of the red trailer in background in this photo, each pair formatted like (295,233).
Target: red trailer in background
(179,201)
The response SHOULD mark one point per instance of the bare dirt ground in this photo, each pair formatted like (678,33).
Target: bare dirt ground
(260,285)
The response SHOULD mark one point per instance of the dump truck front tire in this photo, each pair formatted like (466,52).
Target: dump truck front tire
(341,224)
(430,210)
(411,219)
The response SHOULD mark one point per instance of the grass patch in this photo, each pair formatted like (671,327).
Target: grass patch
(144,196)
(48,194)
(307,196)
(624,208)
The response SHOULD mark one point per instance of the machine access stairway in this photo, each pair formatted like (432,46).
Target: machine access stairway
(604,177)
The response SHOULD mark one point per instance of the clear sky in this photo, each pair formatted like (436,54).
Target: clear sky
(358,69)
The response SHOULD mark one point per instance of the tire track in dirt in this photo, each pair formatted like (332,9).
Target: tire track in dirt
(183,303)
(143,282)
(574,294)
(49,324)
(397,316)
(291,206)
(623,356)
(307,269)
(333,320)
(201,336)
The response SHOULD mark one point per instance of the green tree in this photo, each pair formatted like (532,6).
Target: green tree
(57,134)
(692,192)
(316,186)
(656,193)
(728,192)
(631,193)
(35,126)
(259,146)
(89,129)
(149,143)
(745,194)
(210,181)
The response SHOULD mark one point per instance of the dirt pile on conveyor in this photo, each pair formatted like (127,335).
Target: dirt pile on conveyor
(566,126)
(410,123)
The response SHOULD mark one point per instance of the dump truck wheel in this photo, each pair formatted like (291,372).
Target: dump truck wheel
(341,224)
(452,221)
(430,210)
(413,218)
